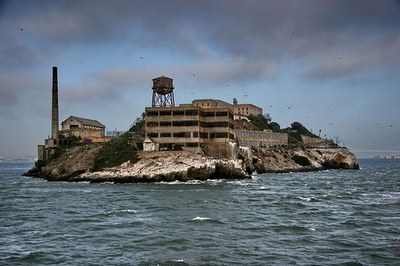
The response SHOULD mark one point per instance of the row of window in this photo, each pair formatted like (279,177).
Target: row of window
(86,126)
(260,135)
(174,145)
(203,135)
(62,142)
(188,113)
(187,123)
(254,143)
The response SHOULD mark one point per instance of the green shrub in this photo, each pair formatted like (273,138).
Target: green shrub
(75,141)
(114,153)
(301,160)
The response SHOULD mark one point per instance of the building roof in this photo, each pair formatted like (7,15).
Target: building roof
(162,77)
(86,121)
(149,140)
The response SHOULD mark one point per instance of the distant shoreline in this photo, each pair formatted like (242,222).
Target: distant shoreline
(19,160)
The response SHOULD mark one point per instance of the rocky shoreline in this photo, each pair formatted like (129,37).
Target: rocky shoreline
(75,165)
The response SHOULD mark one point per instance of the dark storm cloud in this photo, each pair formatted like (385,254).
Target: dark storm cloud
(254,30)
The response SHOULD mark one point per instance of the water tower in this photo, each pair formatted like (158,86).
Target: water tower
(163,92)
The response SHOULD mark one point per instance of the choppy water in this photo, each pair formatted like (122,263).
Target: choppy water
(318,218)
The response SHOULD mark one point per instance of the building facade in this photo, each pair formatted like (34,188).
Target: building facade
(247,109)
(240,109)
(266,138)
(211,103)
(82,127)
(191,127)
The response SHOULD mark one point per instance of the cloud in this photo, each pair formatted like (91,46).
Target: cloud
(355,59)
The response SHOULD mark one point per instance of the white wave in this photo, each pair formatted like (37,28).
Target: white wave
(131,211)
(238,182)
(389,196)
(312,229)
(305,199)
(201,218)
(181,260)
(177,182)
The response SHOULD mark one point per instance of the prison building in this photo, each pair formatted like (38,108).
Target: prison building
(240,109)
(190,127)
(265,138)
(211,103)
(83,127)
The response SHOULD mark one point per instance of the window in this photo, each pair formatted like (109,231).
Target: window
(152,113)
(165,135)
(165,124)
(221,124)
(192,112)
(192,144)
(221,113)
(152,135)
(192,123)
(164,113)
(179,112)
(182,135)
(221,135)
(152,124)
(208,114)
(185,123)
(195,134)
(204,135)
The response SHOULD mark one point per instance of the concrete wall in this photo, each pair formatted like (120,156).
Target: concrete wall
(189,127)
(265,138)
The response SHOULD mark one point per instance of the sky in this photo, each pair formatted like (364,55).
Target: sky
(331,65)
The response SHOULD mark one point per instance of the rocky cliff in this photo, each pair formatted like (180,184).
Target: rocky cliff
(275,160)
(76,164)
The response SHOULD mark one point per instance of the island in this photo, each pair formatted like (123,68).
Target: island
(207,139)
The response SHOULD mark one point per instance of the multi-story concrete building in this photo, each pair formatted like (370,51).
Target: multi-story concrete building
(211,103)
(265,138)
(240,109)
(190,127)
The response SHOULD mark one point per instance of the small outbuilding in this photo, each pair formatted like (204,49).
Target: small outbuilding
(150,145)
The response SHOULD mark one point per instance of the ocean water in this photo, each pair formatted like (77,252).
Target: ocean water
(338,217)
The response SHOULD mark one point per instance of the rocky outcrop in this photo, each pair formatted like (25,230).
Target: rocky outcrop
(168,166)
(75,165)
(279,159)
(74,162)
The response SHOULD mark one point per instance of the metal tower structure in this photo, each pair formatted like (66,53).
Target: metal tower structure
(163,92)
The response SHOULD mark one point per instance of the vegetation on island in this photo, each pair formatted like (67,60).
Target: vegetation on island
(115,152)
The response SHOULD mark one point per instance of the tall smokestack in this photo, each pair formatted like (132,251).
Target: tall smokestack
(54,108)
